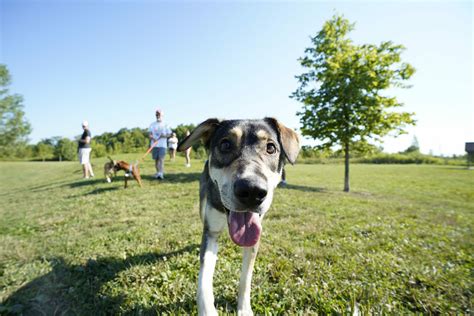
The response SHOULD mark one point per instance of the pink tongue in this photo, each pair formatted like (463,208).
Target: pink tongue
(244,228)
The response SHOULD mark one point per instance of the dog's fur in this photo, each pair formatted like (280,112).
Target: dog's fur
(246,159)
(113,166)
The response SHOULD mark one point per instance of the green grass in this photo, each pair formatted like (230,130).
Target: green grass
(400,242)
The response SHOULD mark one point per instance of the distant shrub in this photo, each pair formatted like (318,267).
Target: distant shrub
(415,158)
(385,158)
(200,153)
(98,150)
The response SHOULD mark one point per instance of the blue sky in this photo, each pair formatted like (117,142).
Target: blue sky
(114,62)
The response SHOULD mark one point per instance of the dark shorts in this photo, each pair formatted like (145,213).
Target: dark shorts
(158,152)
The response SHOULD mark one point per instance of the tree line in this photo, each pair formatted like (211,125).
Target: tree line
(133,140)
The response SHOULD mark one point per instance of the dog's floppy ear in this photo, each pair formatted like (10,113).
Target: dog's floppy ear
(288,139)
(203,131)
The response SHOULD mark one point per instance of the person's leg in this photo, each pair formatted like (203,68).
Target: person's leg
(283,177)
(89,166)
(161,165)
(154,155)
(161,162)
(157,165)
(188,158)
(84,161)
(85,172)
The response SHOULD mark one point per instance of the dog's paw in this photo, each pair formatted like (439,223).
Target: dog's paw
(108,180)
(246,312)
(208,312)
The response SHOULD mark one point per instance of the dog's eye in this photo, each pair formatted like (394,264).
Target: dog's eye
(271,148)
(225,145)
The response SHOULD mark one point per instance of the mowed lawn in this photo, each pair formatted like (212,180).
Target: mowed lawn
(400,242)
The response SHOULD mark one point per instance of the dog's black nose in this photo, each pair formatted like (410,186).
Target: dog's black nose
(249,193)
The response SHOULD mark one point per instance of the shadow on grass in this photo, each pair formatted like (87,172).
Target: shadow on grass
(37,188)
(76,289)
(301,188)
(176,177)
(102,190)
(48,186)
(169,177)
(86,182)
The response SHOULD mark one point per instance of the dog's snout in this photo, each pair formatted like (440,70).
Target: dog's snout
(249,193)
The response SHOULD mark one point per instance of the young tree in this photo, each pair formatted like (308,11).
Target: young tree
(14,128)
(343,89)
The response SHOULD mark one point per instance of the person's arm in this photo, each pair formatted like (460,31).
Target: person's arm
(150,135)
(86,140)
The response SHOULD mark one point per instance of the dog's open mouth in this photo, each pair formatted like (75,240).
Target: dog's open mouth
(245,228)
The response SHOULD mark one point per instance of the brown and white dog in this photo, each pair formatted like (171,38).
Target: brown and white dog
(111,167)
(246,159)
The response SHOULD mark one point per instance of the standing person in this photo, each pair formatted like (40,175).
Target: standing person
(283,178)
(84,150)
(159,132)
(187,152)
(172,146)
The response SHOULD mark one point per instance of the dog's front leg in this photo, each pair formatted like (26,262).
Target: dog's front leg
(243,304)
(208,257)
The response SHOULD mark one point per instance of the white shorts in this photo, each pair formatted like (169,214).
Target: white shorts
(84,154)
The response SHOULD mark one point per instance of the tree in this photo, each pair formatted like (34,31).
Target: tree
(414,147)
(44,150)
(65,149)
(343,89)
(14,128)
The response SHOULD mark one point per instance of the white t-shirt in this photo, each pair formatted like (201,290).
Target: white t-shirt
(173,142)
(157,129)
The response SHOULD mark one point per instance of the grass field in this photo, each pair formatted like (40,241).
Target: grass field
(400,242)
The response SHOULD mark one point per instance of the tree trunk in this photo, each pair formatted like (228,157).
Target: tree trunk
(346,171)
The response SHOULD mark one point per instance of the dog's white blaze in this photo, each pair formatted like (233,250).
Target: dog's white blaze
(248,171)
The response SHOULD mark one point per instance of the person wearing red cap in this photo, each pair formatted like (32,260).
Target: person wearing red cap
(159,133)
